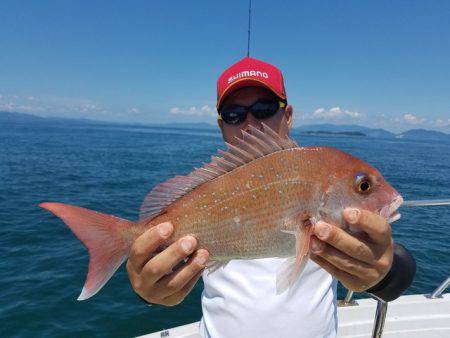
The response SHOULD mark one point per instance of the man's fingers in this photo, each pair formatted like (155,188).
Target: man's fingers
(178,297)
(176,281)
(341,260)
(165,261)
(374,225)
(147,243)
(343,241)
(349,281)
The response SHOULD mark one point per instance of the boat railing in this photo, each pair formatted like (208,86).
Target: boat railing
(382,306)
(380,318)
(441,288)
(347,301)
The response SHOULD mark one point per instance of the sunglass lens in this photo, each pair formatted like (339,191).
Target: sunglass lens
(265,109)
(234,115)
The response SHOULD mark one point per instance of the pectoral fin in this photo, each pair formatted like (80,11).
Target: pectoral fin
(283,275)
(292,268)
(215,265)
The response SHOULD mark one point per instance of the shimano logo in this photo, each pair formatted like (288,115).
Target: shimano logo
(247,73)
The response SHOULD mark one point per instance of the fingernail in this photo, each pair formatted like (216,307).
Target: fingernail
(322,229)
(201,259)
(352,215)
(165,229)
(187,244)
(316,246)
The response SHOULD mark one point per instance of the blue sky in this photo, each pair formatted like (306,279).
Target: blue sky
(379,64)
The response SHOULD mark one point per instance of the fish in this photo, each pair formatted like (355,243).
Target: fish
(260,198)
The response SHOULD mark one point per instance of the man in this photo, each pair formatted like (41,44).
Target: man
(240,299)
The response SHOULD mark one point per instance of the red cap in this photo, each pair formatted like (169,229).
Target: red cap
(250,72)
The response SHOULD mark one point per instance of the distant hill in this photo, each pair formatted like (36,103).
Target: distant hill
(344,128)
(422,134)
(337,133)
(312,129)
(24,118)
(200,125)
(18,117)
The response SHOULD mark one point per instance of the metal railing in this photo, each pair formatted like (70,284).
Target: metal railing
(347,301)
(382,306)
(438,292)
(380,314)
(380,318)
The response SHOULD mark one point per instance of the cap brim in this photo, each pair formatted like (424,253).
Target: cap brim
(246,82)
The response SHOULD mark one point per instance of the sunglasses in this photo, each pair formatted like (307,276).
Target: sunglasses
(261,109)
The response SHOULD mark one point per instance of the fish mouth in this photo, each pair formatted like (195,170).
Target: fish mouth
(390,211)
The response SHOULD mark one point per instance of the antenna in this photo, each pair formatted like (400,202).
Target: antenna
(249,21)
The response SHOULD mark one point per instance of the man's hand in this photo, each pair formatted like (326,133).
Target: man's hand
(357,261)
(152,277)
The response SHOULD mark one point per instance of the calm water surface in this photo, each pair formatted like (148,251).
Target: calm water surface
(110,169)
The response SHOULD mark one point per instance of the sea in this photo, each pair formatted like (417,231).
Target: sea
(110,168)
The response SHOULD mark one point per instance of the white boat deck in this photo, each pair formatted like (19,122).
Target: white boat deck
(408,316)
(411,316)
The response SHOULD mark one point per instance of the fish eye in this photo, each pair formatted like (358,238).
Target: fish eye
(363,184)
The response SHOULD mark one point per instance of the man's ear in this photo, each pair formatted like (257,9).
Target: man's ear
(288,113)
(220,124)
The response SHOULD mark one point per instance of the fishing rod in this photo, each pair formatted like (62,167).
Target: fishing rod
(418,203)
(249,22)
(425,203)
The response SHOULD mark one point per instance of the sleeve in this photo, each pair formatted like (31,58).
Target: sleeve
(399,278)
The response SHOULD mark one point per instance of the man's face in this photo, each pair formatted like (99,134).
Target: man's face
(281,122)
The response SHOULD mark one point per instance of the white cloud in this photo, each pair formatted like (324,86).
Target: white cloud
(134,110)
(412,119)
(208,110)
(62,107)
(21,107)
(319,111)
(335,113)
(395,122)
(194,111)
(442,122)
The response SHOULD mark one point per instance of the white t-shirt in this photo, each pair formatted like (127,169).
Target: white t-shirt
(240,300)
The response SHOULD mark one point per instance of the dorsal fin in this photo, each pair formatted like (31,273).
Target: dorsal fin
(254,144)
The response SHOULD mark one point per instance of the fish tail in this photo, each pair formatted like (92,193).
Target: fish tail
(102,235)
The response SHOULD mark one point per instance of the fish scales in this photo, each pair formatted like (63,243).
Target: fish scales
(262,204)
